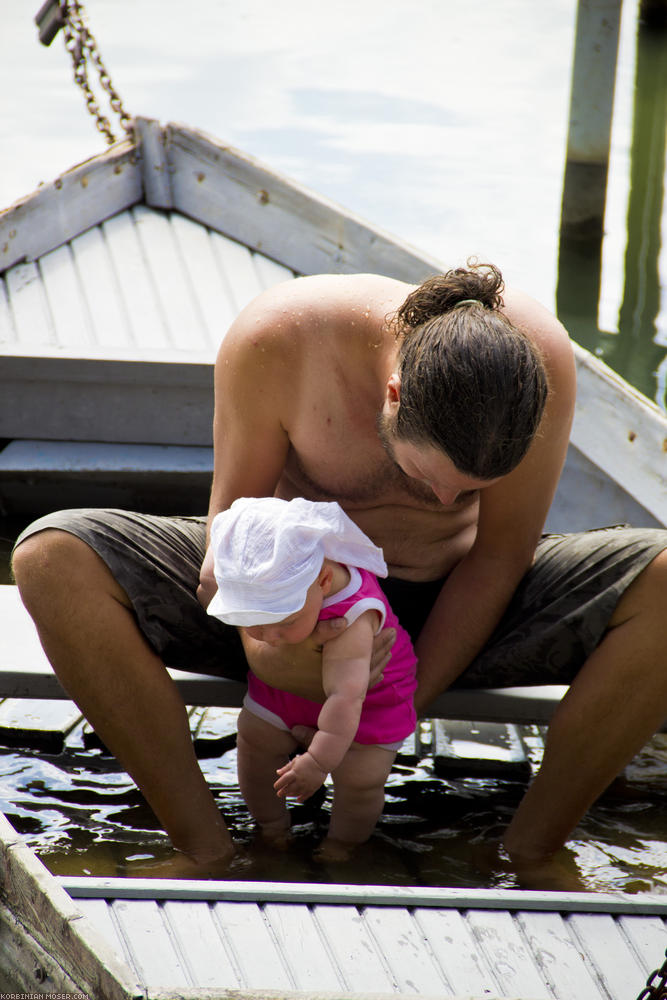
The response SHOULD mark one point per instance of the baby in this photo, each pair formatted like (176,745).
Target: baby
(281,566)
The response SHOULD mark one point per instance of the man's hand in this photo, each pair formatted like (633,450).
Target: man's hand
(298,668)
(299,778)
(207,585)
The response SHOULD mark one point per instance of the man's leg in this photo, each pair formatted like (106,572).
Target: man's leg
(615,704)
(262,749)
(89,634)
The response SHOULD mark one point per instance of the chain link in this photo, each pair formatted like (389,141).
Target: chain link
(656,984)
(81,45)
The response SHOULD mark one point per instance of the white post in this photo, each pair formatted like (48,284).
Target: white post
(591,107)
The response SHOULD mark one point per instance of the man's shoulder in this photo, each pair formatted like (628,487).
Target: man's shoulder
(304,305)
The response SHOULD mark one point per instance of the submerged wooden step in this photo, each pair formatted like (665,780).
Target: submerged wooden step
(38,724)
(482,749)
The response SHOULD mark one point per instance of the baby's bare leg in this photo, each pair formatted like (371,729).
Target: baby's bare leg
(358,797)
(261,750)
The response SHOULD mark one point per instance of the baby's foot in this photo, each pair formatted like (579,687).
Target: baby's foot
(333,850)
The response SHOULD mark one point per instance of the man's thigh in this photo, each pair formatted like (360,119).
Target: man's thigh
(156,561)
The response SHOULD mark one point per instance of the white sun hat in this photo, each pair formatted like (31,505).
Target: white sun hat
(268,552)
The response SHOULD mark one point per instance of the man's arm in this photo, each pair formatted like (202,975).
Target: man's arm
(345,674)
(511,518)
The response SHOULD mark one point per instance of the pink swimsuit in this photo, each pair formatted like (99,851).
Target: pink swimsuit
(388,714)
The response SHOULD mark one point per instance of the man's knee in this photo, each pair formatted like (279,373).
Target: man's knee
(646,595)
(50,562)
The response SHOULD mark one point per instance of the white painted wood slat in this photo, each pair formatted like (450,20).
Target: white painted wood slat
(146,938)
(615,963)
(254,948)
(67,306)
(99,912)
(199,939)
(141,297)
(178,306)
(270,272)
(32,318)
(7,331)
(100,289)
(354,949)
(498,938)
(399,938)
(558,956)
(456,951)
(303,947)
(647,937)
(236,263)
(210,286)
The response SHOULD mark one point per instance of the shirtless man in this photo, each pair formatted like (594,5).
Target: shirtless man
(301,379)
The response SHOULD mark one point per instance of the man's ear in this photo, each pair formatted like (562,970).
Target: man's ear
(393,391)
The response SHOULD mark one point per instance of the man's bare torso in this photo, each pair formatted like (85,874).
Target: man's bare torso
(334,398)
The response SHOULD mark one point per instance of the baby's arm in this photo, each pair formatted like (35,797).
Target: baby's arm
(345,673)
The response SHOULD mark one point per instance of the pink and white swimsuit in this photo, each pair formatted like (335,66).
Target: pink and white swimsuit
(388,713)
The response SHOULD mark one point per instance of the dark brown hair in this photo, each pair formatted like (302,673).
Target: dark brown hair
(472,384)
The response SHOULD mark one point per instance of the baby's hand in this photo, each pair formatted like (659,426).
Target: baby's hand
(299,778)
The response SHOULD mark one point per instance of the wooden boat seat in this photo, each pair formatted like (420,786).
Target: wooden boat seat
(26,673)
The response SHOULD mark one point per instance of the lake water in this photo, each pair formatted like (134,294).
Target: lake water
(442,122)
(446,124)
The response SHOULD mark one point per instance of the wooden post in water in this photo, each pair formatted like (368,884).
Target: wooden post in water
(591,108)
(586,167)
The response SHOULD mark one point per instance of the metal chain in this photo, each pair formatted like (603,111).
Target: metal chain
(81,45)
(656,984)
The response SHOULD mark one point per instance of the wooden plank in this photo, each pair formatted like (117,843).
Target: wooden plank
(146,938)
(30,309)
(84,399)
(588,498)
(303,947)
(214,731)
(208,282)
(488,749)
(153,161)
(499,940)
(456,951)
(559,957)
(647,937)
(270,272)
(143,303)
(55,922)
(236,195)
(609,410)
(353,948)
(179,309)
(41,724)
(247,936)
(68,312)
(108,318)
(615,963)
(237,264)
(25,966)
(75,201)
(7,329)
(198,936)
(99,913)
(398,937)
(644,905)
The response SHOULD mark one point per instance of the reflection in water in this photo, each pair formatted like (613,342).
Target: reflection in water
(84,816)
